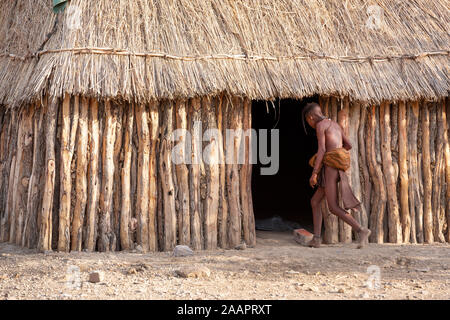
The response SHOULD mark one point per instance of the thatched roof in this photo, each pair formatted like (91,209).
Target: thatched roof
(257,48)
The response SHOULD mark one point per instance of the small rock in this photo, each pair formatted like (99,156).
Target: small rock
(423,269)
(303,237)
(182,251)
(132,271)
(139,249)
(241,246)
(341,290)
(193,272)
(96,276)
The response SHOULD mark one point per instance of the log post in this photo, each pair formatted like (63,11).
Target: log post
(106,236)
(233,143)
(437,174)
(182,173)
(81,177)
(427,182)
(143,176)
(446,165)
(153,180)
(125,217)
(94,179)
(211,164)
(30,237)
(223,202)
(403,171)
(379,194)
(345,231)
(115,219)
(194,195)
(23,170)
(68,132)
(394,226)
(45,231)
(414,196)
(367,185)
(249,147)
(168,187)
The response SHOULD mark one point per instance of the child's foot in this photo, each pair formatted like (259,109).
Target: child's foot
(315,242)
(364,234)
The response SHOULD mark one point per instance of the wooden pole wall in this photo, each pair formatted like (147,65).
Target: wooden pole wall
(119,187)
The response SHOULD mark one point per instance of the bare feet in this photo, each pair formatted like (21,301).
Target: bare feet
(314,243)
(364,234)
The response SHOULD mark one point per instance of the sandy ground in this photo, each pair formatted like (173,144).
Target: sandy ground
(277,268)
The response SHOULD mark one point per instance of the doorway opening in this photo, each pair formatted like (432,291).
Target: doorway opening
(284,197)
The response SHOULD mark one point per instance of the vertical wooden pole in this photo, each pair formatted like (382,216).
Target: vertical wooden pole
(427,182)
(153,181)
(168,188)
(195,113)
(437,174)
(244,173)
(345,231)
(81,177)
(125,217)
(415,205)
(45,232)
(143,176)
(106,236)
(115,218)
(68,134)
(23,170)
(30,237)
(182,173)
(403,171)
(333,221)
(379,194)
(223,202)
(94,179)
(367,185)
(395,231)
(251,215)
(353,127)
(445,119)
(211,159)
(233,142)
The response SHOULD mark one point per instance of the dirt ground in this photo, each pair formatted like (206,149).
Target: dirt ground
(277,268)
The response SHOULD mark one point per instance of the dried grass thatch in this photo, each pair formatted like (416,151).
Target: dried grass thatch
(260,49)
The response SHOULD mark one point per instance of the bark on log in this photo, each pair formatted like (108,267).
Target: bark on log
(94,178)
(106,240)
(223,202)
(366,184)
(153,181)
(437,174)
(233,143)
(413,187)
(143,176)
(403,171)
(81,177)
(345,231)
(166,172)
(251,214)
(115,219)
(125,217)
(195,129)
(45,232)
(427,182)
(23,170)
(445,119)
(394,226)
(34,190)
(182,173)
(379,194)
(68,132)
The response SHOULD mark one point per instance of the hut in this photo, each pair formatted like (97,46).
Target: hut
(90,96)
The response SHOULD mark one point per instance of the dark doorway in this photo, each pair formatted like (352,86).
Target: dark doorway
(286,194)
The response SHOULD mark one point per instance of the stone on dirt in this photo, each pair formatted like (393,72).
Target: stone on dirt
(96,276)
(303,237)
(241,246)
(193,272)
(182,251)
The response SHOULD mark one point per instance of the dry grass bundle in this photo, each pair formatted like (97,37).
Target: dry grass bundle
(260,49)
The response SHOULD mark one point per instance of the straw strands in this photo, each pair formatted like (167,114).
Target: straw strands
(144,50)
